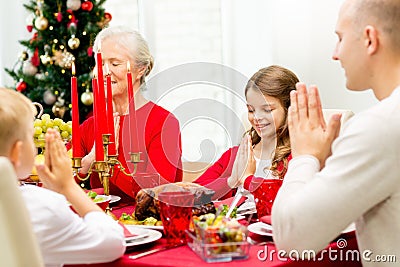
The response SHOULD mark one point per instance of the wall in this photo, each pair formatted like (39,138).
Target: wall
(296,34)
(12,29)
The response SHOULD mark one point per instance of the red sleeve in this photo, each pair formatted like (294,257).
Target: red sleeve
(165,150)
(162,152)
(216,176)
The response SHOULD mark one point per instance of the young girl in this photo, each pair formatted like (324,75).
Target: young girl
(265,150)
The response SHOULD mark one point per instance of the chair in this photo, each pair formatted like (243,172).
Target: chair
(20,247)
(193,169)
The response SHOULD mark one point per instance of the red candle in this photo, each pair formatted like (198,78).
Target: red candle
(98,140)
(75,115)
(102,98)
(110,114)
(134,142)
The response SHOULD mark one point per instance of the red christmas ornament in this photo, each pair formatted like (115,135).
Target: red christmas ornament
(59,17)
(90,51)
(107,16)
(34,37)
(29,28)
(87,6)
(35,58)
(21,86)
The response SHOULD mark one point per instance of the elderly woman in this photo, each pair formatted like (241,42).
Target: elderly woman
(157,129)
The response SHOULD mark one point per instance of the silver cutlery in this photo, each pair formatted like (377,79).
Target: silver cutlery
(137,256)
(234,202)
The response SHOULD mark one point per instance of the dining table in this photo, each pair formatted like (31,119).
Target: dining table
(343,251)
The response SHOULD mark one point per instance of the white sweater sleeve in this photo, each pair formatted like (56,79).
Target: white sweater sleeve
(313,207)
(66,238)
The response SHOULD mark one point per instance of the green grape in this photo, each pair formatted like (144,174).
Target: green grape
(57,121)
(56,128)
(64,134)
(40,136)
(45,117)
(63,126)
(37,123)
(69,129)
(49,124)
(37,131)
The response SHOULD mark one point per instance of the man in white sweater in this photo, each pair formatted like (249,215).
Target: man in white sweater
(334,181)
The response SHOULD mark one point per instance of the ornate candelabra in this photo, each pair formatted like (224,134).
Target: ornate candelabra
(105,168)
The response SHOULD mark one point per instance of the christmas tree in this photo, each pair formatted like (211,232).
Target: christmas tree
(63,33)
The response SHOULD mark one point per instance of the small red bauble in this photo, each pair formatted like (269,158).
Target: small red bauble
(107,16)
(87,6)
(90,51)
(21,86)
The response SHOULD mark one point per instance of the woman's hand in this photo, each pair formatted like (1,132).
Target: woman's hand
(244,164)
(87,161)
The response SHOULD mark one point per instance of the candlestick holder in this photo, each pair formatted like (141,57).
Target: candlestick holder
(105,168)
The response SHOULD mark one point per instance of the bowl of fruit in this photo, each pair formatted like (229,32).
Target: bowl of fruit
(218,239)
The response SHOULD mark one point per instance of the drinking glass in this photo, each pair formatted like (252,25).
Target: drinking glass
(176,214)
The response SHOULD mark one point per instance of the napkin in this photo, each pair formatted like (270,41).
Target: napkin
(127,233)
(266,219)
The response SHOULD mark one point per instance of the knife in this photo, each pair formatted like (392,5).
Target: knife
(137,256)
(234,202)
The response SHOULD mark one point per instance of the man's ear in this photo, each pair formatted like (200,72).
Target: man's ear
(15,154)
(371,39)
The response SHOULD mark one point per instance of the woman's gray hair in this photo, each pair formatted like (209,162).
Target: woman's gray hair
(133,42)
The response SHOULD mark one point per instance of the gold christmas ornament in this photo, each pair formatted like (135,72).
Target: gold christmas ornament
(73,42)
(41,23)
(24,55)
(63,59)
(46,59)
(87,98)
(58,111)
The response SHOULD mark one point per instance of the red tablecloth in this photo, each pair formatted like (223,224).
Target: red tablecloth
(259,255)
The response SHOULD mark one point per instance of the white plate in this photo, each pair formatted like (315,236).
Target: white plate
(264,229)
(150,236)
(114,198)
(152,227)
(260,228)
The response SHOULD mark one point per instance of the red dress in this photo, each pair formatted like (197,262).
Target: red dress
(216,176)
(159,141)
